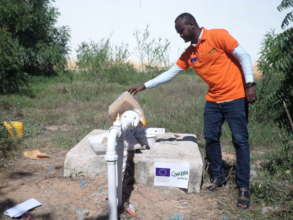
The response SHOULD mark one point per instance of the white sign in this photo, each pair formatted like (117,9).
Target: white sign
(171,174)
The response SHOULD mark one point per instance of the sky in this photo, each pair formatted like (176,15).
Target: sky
(92,20)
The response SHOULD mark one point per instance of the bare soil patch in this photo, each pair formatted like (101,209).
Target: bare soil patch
(84,198)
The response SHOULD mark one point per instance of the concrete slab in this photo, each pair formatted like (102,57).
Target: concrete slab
(81,160)
(86,161)
(175,148)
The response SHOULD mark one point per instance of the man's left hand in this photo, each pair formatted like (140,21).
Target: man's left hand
(250,92)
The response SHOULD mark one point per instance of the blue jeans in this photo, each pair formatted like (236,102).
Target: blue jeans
(235,113)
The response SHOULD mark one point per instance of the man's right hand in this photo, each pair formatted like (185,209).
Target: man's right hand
(250,92)
(136,89)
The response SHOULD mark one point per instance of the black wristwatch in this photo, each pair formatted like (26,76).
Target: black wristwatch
(250,84)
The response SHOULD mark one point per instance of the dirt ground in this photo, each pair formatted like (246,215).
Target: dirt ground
(69,199)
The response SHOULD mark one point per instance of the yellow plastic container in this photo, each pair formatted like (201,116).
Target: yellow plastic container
(14,128)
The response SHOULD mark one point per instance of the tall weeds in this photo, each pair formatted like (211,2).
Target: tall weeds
(150,51)
(105,62)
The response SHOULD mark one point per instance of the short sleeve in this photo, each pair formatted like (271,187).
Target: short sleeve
(224,40)
(182,62)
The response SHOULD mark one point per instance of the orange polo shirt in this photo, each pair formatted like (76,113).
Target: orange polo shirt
(211,60)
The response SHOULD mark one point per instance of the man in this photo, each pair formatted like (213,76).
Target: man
(224,65)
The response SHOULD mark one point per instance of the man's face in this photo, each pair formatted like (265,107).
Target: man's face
(185,30)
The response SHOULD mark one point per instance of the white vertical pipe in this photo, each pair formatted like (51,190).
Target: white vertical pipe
(112,192)
(129,119)
(111,158)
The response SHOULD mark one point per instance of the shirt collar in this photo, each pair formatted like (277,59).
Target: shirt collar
(201,37)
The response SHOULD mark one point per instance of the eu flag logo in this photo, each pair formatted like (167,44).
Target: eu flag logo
(193,59)
(162,171)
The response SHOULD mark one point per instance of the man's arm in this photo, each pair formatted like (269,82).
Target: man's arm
(245,61)
(158,80)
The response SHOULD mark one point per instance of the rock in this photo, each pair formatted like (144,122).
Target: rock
(253,174)
(82,214)
(54,128)
(267,209)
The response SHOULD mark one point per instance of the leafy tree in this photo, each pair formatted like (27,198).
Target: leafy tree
(32,44)
(285,4)
(276,63)
(275,104)
(12,73)
(276,87)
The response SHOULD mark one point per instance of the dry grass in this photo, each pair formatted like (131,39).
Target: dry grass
(61,111)
(82,105)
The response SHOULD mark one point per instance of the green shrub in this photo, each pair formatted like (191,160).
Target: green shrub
(281,159)
(102,61)
(30,44)
(274,98)
(275,90)
(12,74)
(270,191)
(273,185)
(7,145)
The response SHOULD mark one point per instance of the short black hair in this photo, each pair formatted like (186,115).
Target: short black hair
(187,17)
